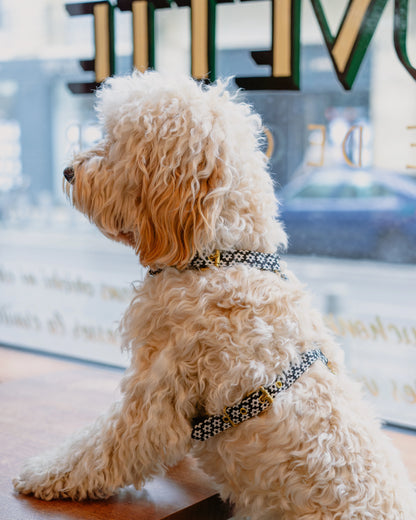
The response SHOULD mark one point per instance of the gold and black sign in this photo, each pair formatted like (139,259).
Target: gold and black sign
(346,49)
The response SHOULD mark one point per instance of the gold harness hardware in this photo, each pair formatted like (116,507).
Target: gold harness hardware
(205,427)
(216,258)
(331,367)
(265,396)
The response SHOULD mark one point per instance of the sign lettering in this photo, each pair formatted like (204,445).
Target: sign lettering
(346,49)
(103,62)
(413,145)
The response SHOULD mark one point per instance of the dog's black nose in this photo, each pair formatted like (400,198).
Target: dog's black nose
(69,174)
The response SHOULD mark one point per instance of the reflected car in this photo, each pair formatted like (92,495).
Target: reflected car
(351,214)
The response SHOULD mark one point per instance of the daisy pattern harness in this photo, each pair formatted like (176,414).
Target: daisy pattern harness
(260,400)
(255,403)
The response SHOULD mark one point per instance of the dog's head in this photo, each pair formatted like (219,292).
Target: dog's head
(179,171)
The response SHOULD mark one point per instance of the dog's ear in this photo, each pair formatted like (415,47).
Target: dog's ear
(178,214)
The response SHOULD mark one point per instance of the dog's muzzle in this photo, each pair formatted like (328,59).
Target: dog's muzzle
(69,174)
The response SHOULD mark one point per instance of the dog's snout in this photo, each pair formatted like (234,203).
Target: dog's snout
(69,174)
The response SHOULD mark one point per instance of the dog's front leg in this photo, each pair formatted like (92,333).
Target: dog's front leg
(137,439)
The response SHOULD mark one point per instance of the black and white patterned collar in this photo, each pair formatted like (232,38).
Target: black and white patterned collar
(262,261)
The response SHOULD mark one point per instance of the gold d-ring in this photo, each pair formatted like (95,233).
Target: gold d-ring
(216,258)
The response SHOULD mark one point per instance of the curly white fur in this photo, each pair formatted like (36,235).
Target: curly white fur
(178,172)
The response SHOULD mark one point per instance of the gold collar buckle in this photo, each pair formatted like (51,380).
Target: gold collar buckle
(216,257)
(265,396)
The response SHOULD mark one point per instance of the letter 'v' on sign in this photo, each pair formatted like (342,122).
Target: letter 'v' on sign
(348,48)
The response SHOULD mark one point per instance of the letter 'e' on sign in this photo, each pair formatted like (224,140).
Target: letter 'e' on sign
(284,55)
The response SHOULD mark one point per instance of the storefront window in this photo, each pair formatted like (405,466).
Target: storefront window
(343,161)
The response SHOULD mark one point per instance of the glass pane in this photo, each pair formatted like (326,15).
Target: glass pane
(315,191)
(343,162)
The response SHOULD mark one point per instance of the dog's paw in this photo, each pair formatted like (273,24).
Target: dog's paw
(48,481)
(45,477)
(46,486)
(57,488)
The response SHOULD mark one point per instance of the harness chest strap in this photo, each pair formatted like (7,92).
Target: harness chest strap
(257,402)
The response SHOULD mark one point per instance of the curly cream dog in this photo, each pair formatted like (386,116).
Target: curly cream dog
(180,172)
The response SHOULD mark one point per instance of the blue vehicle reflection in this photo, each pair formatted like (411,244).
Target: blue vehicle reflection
(351,213)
